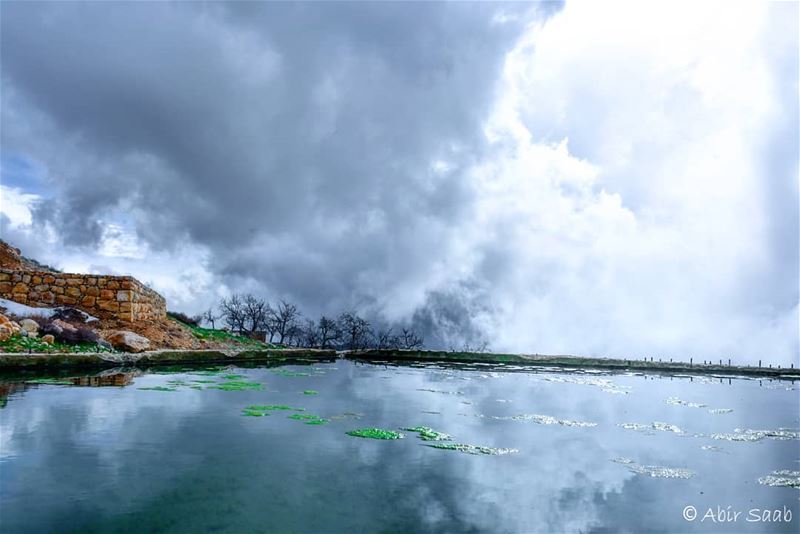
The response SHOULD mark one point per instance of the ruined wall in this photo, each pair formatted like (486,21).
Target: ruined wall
(108,297)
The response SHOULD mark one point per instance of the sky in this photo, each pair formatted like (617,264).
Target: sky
(594,178)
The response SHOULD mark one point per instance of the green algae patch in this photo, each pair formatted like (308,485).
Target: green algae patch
(237,385)
(158,388)
(426,433)
(472,449)
(233,377)
(375,433)
(310,392)
(319,421)
(254,413)
(308,418)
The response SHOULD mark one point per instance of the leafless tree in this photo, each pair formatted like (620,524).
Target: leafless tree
(408,339)
(328,332)
(284,322)
(385,339)
(257,312)
(355,331)
(210,317)
(309,337)
(232,312)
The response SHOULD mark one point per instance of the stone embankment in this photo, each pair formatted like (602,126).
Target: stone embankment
(107,297)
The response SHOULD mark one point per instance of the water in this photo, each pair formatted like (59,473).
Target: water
(125,459)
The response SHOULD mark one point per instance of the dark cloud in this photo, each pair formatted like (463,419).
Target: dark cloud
(294,140)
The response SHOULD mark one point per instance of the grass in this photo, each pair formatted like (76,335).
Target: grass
(222,336)
(310,392)
(375,433)
(17,343)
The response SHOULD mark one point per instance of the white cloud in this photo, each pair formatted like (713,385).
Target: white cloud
(624,211)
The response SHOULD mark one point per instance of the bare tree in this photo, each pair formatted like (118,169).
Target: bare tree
(328,332)
(284,322)
(256,312)
(355,331)
(408,339)
(309,336)
(232,312)
(210,317)
(385,339)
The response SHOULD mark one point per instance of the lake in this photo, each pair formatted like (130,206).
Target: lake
(266,449)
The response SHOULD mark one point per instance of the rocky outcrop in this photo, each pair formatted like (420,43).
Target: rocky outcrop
(128,341)
(8,328)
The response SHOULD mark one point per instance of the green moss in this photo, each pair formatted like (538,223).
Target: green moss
(310,392)
(375,433)
(233,377)
(158,388)
(429,434)
(472,449)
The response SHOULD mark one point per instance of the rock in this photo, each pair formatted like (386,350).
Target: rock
(128,341)
(29,325)
(62,326)
(5,332)
(49,339)
(4,319)
(105,344)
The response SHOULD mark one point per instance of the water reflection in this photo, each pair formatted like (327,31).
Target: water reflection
(126,459)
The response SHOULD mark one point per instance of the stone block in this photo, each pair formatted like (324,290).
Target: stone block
(124,295)
(73,292)
(66,300)
(88,301)
(107,294)
(92,291)
(48,279)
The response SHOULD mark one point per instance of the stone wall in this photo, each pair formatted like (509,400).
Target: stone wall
(107,297)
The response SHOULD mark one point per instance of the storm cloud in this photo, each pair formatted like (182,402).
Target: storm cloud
(545,178)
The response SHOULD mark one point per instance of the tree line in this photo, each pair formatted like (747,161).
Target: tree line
(283,324)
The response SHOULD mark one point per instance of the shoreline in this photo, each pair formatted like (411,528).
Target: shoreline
(55,361)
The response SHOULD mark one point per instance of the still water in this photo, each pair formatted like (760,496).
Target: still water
(568,451)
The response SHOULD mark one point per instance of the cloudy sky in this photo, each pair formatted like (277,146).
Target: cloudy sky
(590,178)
